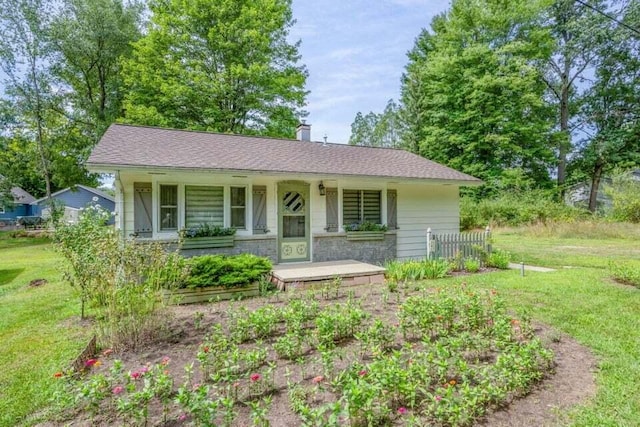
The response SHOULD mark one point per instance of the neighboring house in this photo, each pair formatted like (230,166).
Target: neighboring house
(288,199)
(21,206)
(74,199)
(578,194)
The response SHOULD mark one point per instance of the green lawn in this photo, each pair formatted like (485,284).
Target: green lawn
(39,328)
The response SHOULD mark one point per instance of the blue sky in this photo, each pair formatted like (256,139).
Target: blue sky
(355,52)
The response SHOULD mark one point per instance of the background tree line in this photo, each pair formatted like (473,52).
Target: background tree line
(522,94)
(70,68)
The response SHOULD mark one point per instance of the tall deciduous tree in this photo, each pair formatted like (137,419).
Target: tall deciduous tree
(90,38)
(378,130)
(611,105)
(224,66)
(577,31)
(476,94)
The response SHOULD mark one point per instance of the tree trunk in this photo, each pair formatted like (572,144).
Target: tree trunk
(595,185)
(565,143)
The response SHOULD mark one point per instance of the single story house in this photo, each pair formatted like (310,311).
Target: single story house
(289,199)
(21,206)
(74,199)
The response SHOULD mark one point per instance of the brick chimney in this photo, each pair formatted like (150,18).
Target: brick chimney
(303,132)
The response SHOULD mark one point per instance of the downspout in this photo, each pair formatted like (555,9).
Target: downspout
(120,206)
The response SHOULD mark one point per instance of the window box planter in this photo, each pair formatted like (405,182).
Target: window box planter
(195,295)
(365,235)
(208,242)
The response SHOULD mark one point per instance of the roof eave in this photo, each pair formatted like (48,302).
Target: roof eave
(112,168)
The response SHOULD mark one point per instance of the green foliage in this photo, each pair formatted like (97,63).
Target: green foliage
(378,130)
(121,278)
(225,66)
(625,196)
(498,259)
(228,271)
(207,230)
(513,209)
(626,272)
(472,265)
(402,271)
(473,99)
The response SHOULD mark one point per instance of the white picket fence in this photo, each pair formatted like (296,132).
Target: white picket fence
(458,245)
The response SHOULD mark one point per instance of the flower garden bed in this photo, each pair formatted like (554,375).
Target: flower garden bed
(358,357)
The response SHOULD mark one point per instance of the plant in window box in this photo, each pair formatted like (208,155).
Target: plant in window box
(207,236)
(365,231)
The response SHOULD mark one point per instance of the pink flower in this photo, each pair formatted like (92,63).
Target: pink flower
(318,379)
(362,373)
(118,389)
(135,375)
(89,363)
(107,352)
(438,398)
(144,370)
(255,377)
(165,360)
(182,417)
(402,410)
(196,386)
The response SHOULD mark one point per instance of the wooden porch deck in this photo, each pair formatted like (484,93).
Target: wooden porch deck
(309,275)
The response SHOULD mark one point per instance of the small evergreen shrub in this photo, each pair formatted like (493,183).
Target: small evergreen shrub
(227,271)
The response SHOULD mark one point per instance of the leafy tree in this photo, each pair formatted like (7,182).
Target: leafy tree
(224,66)
(577,31)
(474,98)
(611,106)
(90,37)
(378,130)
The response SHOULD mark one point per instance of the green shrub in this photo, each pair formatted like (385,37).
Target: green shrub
(626,273)
(514,209)
(228,271)
(498,259)
(402,271)
(365,226)
(625,197)
(472,265)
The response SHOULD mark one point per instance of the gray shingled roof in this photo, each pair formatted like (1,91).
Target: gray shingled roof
(21,196)
(148,147)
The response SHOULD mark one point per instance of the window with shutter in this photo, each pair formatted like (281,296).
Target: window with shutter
(392,209)
(259,209)
(360,206)
(168,207)
(204,205)
(333,223)
(238,207)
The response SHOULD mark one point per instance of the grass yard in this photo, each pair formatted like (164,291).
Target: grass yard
(37,336)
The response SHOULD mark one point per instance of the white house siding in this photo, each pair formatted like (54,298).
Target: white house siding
(421,207)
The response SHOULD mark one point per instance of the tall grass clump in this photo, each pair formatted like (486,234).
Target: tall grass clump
(411,271)
(515,209)
(587,229)
(626,272)
(119,280)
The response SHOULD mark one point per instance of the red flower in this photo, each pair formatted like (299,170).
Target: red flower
(89,363)
(255,377)
(58,375)
(402,410)
(118,389)
(206,349)
(362,373)
(136,375)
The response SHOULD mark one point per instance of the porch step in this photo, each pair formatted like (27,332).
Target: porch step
(316,274)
